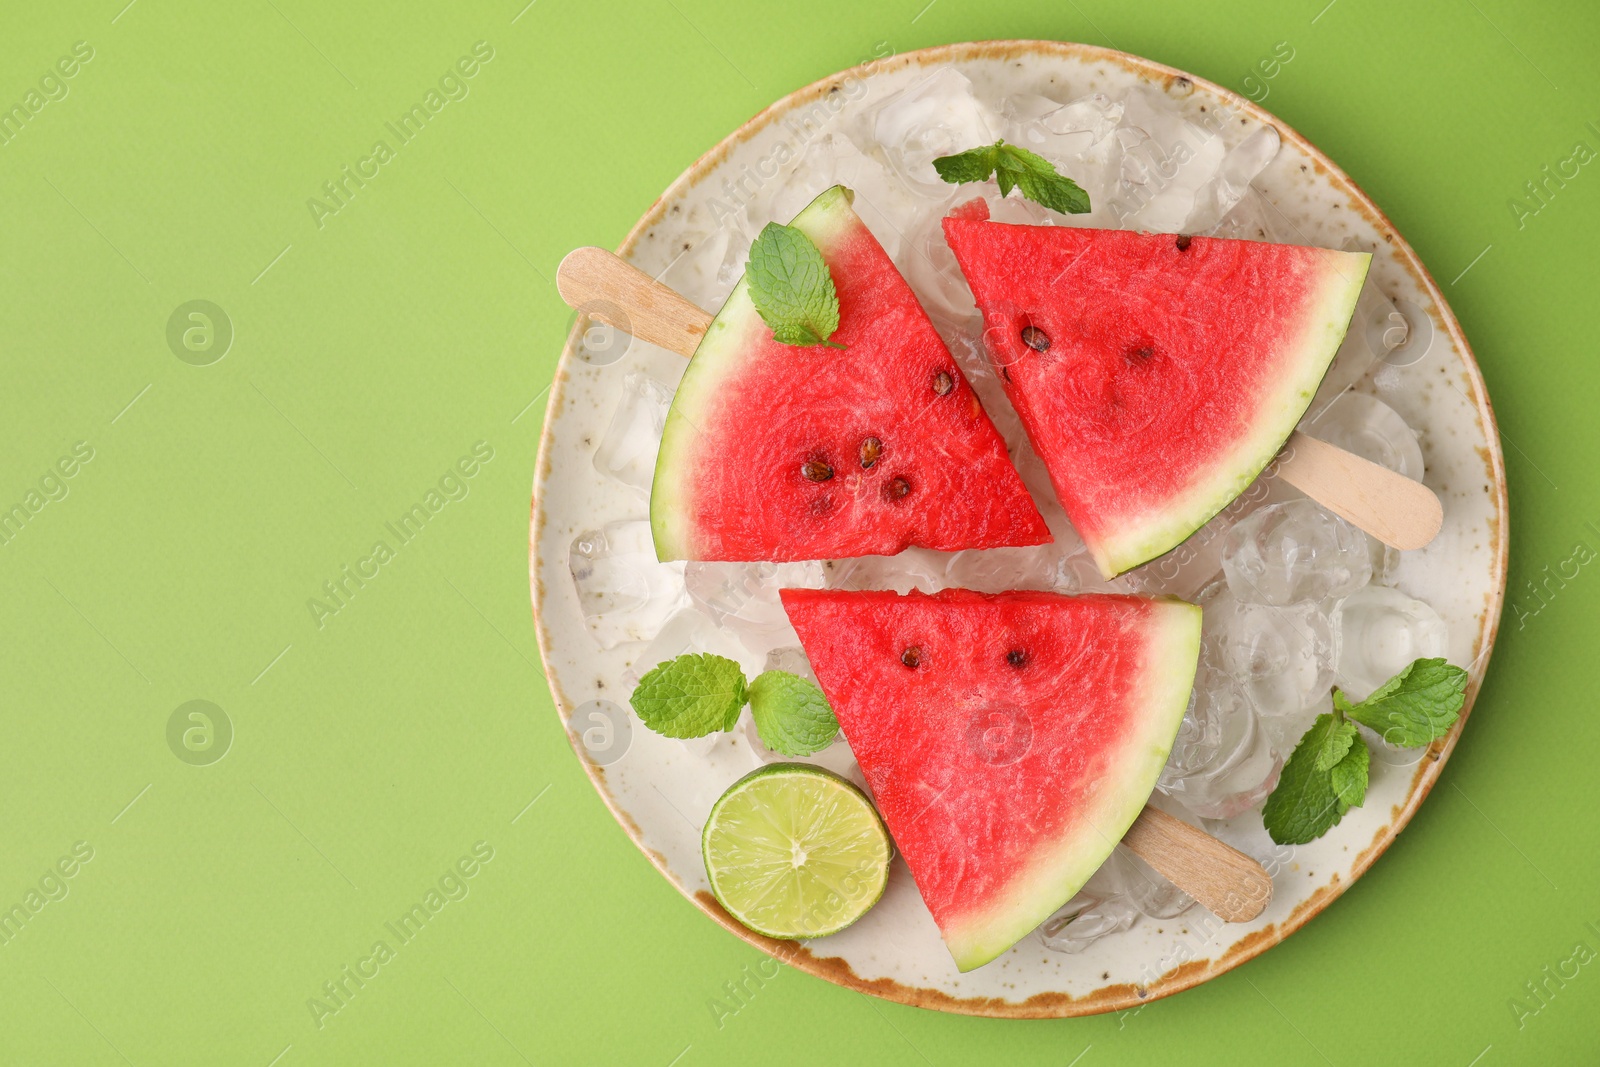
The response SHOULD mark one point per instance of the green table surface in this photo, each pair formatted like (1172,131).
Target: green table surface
(379,751)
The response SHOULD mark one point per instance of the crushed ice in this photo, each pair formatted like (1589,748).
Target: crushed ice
(1295,599)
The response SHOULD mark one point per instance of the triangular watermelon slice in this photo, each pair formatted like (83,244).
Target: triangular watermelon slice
(1156,375)
(1009,739)
(776,452)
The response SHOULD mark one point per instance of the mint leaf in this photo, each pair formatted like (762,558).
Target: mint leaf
(1335,745)
(1304,806)
(791,287)
(1015,168)
(1054,191)
(792,716)
(1415,707)
(973,165)
(691,696)
(1349,776)
(1009,168)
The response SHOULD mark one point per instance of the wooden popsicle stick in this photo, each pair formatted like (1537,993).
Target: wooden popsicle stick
(1402,513)
(1226,882)
(1389,506)
(601,285)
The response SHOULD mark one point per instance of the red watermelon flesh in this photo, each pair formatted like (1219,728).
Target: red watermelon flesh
(1009,739)
(1165,372)
(777,452)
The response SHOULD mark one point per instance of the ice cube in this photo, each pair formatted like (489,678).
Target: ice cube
(1095,115)
(1193,565)
(697,270)
(1294,553)
(915,568)
(1381,631)
(792,659)
(833,159)
(1285,729)
(742,598)
(1166,162)
(1251,219)
(1187,569)
(1221,762)
(1022,110)
(1281,658)
(1239,167)
(628,450)
(930,268)
(1372,430)
(996,570)
(939,116)
(1080,574)
(1079,139)
(624,594)
(1096,911)
(1049,129)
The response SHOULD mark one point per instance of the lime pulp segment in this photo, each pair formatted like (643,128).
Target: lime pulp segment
(794,851)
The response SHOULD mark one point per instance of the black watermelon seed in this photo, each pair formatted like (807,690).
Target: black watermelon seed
(816,470)
(897,489)
(1016,657)
(911,656)
(871,449)
(1183,242)
(1035,338)
(943,383)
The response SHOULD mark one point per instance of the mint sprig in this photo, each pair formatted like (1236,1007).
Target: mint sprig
(1015,168)
(1327,773)
(1303,806)
(698,694)
(792,288)
(792,716)
(1415,707)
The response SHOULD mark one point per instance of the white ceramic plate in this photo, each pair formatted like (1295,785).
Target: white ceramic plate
(660,790)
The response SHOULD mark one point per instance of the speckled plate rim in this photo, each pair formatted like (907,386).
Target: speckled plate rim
(1187,975)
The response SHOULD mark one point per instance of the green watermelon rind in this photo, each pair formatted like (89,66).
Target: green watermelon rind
(1306,362)
(1065,863)
(719,357)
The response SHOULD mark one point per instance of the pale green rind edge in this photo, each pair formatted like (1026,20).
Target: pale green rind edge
(799,770)
(1065,864)
(722,353)
(1318,345)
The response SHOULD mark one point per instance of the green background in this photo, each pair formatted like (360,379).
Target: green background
(371,753)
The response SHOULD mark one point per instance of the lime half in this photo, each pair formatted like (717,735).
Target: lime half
(794,851)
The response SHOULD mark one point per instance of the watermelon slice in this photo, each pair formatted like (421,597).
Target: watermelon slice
(1009,739)
(1156,375)
(776,452)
